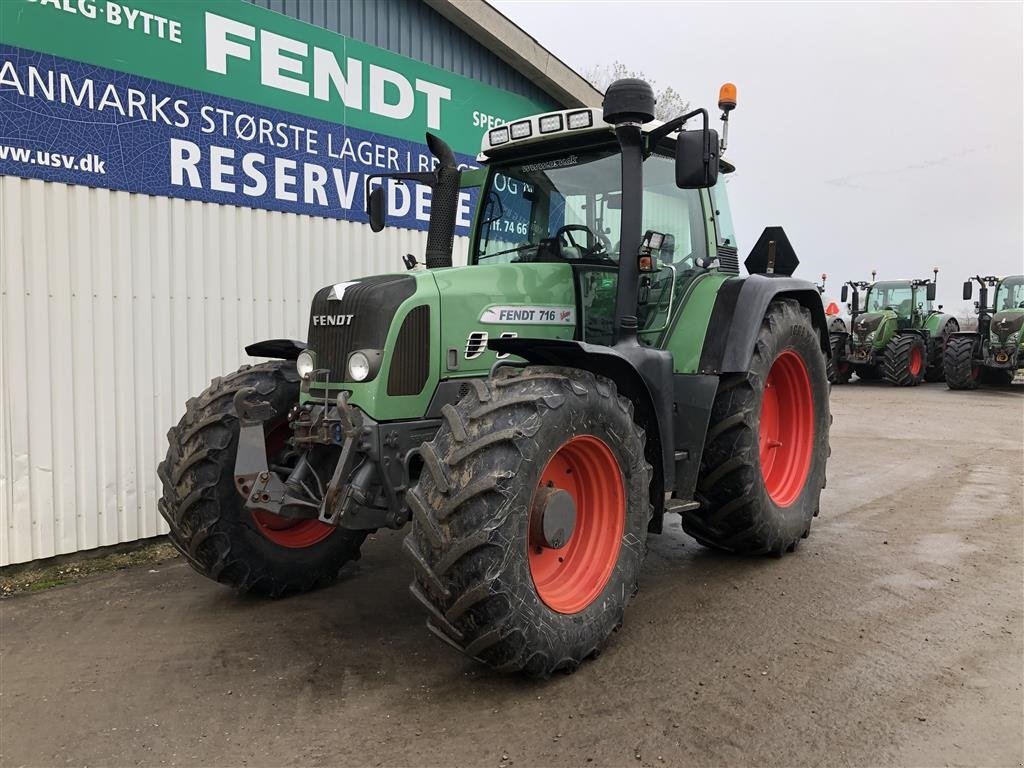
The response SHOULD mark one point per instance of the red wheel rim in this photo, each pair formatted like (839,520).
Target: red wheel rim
(786,436)
(284,531)
(975,371)
(571,578)
(914,366)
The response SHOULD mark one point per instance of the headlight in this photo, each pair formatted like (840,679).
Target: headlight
(363,364)
(358,366)
(870,337)
(305,363)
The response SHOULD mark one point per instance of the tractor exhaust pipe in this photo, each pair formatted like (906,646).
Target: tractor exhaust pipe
(444,205)
(628,104)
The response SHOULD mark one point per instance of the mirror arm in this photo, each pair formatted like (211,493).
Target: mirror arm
(674,124)
(425,177)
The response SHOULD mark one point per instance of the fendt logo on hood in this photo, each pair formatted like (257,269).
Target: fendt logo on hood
(332,319)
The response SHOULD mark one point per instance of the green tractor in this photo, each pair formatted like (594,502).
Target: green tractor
(897,336)
(533,416)
(995,352)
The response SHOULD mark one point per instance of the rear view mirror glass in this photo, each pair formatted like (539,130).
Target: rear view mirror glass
(375,206)
(844,294)
(697,159)
(930,292)
(968,290)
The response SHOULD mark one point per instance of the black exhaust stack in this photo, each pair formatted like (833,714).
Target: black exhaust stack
(444,205)
(628,104)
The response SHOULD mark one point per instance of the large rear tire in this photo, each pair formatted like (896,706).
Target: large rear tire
(498,477)
(210,526)
(905,359)
(763,465)
(958,363)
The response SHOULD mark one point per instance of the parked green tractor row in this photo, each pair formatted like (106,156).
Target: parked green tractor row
(897,334)
(995,351)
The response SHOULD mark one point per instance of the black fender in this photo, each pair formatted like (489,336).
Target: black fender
(280,349)
(642,375)
(736,319)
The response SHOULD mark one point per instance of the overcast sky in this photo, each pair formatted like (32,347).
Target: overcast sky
(880,135)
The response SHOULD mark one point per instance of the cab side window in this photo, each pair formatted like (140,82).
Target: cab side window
(724,231)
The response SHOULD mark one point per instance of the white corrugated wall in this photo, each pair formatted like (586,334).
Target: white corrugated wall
(116,308)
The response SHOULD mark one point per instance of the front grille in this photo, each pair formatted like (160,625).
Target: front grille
(369,304)
(410,363)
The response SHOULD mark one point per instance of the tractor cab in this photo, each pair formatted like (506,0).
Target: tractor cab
(553,194)
(907,300)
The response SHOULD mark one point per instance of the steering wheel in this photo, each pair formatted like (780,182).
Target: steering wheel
(595,241)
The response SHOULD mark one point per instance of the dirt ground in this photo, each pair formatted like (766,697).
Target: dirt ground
(892,637)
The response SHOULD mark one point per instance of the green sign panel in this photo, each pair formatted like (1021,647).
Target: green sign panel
(236,50)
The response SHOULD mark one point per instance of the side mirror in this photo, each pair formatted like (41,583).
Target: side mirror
(968,290)
(376,208)
(930,292)
(844,294)
(697,159)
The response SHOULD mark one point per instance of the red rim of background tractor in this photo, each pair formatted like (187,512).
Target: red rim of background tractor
(570,578)
(916,361)
(284,531)
(786,434)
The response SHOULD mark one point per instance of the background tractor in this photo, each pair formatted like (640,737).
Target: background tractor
(995,352)
(897,334)
(600,363)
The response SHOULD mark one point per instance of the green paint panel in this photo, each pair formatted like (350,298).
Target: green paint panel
(686,341)
(290,65)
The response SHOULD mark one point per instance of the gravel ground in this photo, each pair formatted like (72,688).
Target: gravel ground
(892,637)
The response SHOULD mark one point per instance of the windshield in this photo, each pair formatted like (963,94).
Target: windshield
(898,297)
(1010,294)
(569,209)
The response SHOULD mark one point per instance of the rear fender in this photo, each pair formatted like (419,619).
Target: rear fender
(736,319)
(642,375)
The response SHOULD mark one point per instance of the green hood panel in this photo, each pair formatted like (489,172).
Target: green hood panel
(529,300)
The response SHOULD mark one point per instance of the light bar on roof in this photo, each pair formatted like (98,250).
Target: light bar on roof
(498,136)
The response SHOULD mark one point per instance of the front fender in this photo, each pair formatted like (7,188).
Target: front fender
(279,349)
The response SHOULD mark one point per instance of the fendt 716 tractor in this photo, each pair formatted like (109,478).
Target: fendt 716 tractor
(995,352)
(897,335)
(599,363)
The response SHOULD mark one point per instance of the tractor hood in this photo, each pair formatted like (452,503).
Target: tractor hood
(867,322)
(1006,323)
(422,327)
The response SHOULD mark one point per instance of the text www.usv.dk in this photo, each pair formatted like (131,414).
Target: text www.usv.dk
(89,163)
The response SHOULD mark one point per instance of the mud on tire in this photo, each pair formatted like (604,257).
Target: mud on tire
(209,524)
(737,512)
(471,518)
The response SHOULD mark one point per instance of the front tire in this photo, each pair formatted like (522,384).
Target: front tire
(904,361)
(763,466)
(839,369)
(936,363)
(492,579)
(210,526)
(958,364)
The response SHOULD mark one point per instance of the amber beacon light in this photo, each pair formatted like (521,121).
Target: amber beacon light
(727,97)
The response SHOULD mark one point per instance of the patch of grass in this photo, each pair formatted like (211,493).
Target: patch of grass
(67,569)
